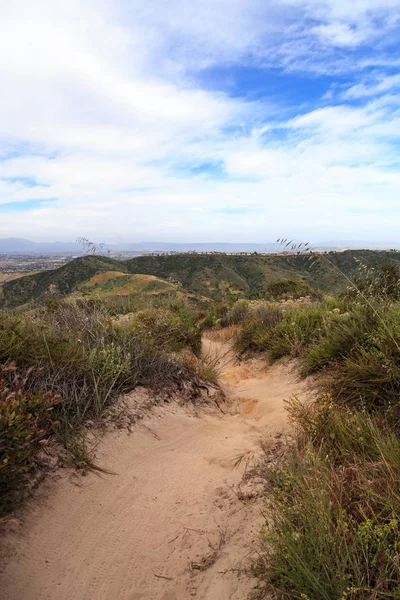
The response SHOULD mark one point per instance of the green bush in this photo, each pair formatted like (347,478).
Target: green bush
(368,379)
(216,314)
(172,331)
(288,288)
(279,333)
(363,353)
(236,314)
(298,329)
(334,496)
(110,361)
(252,334)
(88,356)
(340,334)
(333,529)
(26,420)
(383,283)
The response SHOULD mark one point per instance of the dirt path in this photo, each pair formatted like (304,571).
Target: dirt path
(168,523)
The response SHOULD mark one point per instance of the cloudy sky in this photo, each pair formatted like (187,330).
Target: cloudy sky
(210,120)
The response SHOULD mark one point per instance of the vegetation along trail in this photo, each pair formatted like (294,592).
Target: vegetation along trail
(167,521)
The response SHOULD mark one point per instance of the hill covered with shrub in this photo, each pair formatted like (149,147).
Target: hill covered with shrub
(211,275)
(246,275)
(62,281)
(94,276)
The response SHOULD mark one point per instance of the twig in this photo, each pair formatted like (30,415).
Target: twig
(152,432)
(163,577)
(198,530)
(239,571)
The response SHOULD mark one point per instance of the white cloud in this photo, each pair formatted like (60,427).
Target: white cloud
(381,85)
(100,105)
(340,34)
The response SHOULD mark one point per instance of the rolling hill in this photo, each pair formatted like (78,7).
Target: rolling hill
(64,280)
(211,275)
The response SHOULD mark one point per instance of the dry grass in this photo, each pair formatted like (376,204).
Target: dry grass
(103,277)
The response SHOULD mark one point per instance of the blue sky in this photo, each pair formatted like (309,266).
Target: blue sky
(223,120)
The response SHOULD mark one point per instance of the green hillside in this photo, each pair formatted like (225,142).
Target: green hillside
(63,281)
(213,275)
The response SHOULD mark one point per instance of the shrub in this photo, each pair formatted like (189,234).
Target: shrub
(365,367)
(280,333)
(285,289)
(235,315)
(251,336)
(297,330)
(368,379)
(341,333)
(109,366)
(383,283)
(288,288)
(25,424)
(171,331)
(335,500)
(216,314)
(88,357)
(207,368)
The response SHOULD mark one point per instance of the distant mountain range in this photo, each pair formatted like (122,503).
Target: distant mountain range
(23,246)
(20,245)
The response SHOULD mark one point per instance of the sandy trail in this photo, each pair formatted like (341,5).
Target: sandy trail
(167,524)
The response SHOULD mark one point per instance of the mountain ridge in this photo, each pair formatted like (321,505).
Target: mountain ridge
(210,275)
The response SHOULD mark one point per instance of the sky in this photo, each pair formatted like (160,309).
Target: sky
(213,120)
